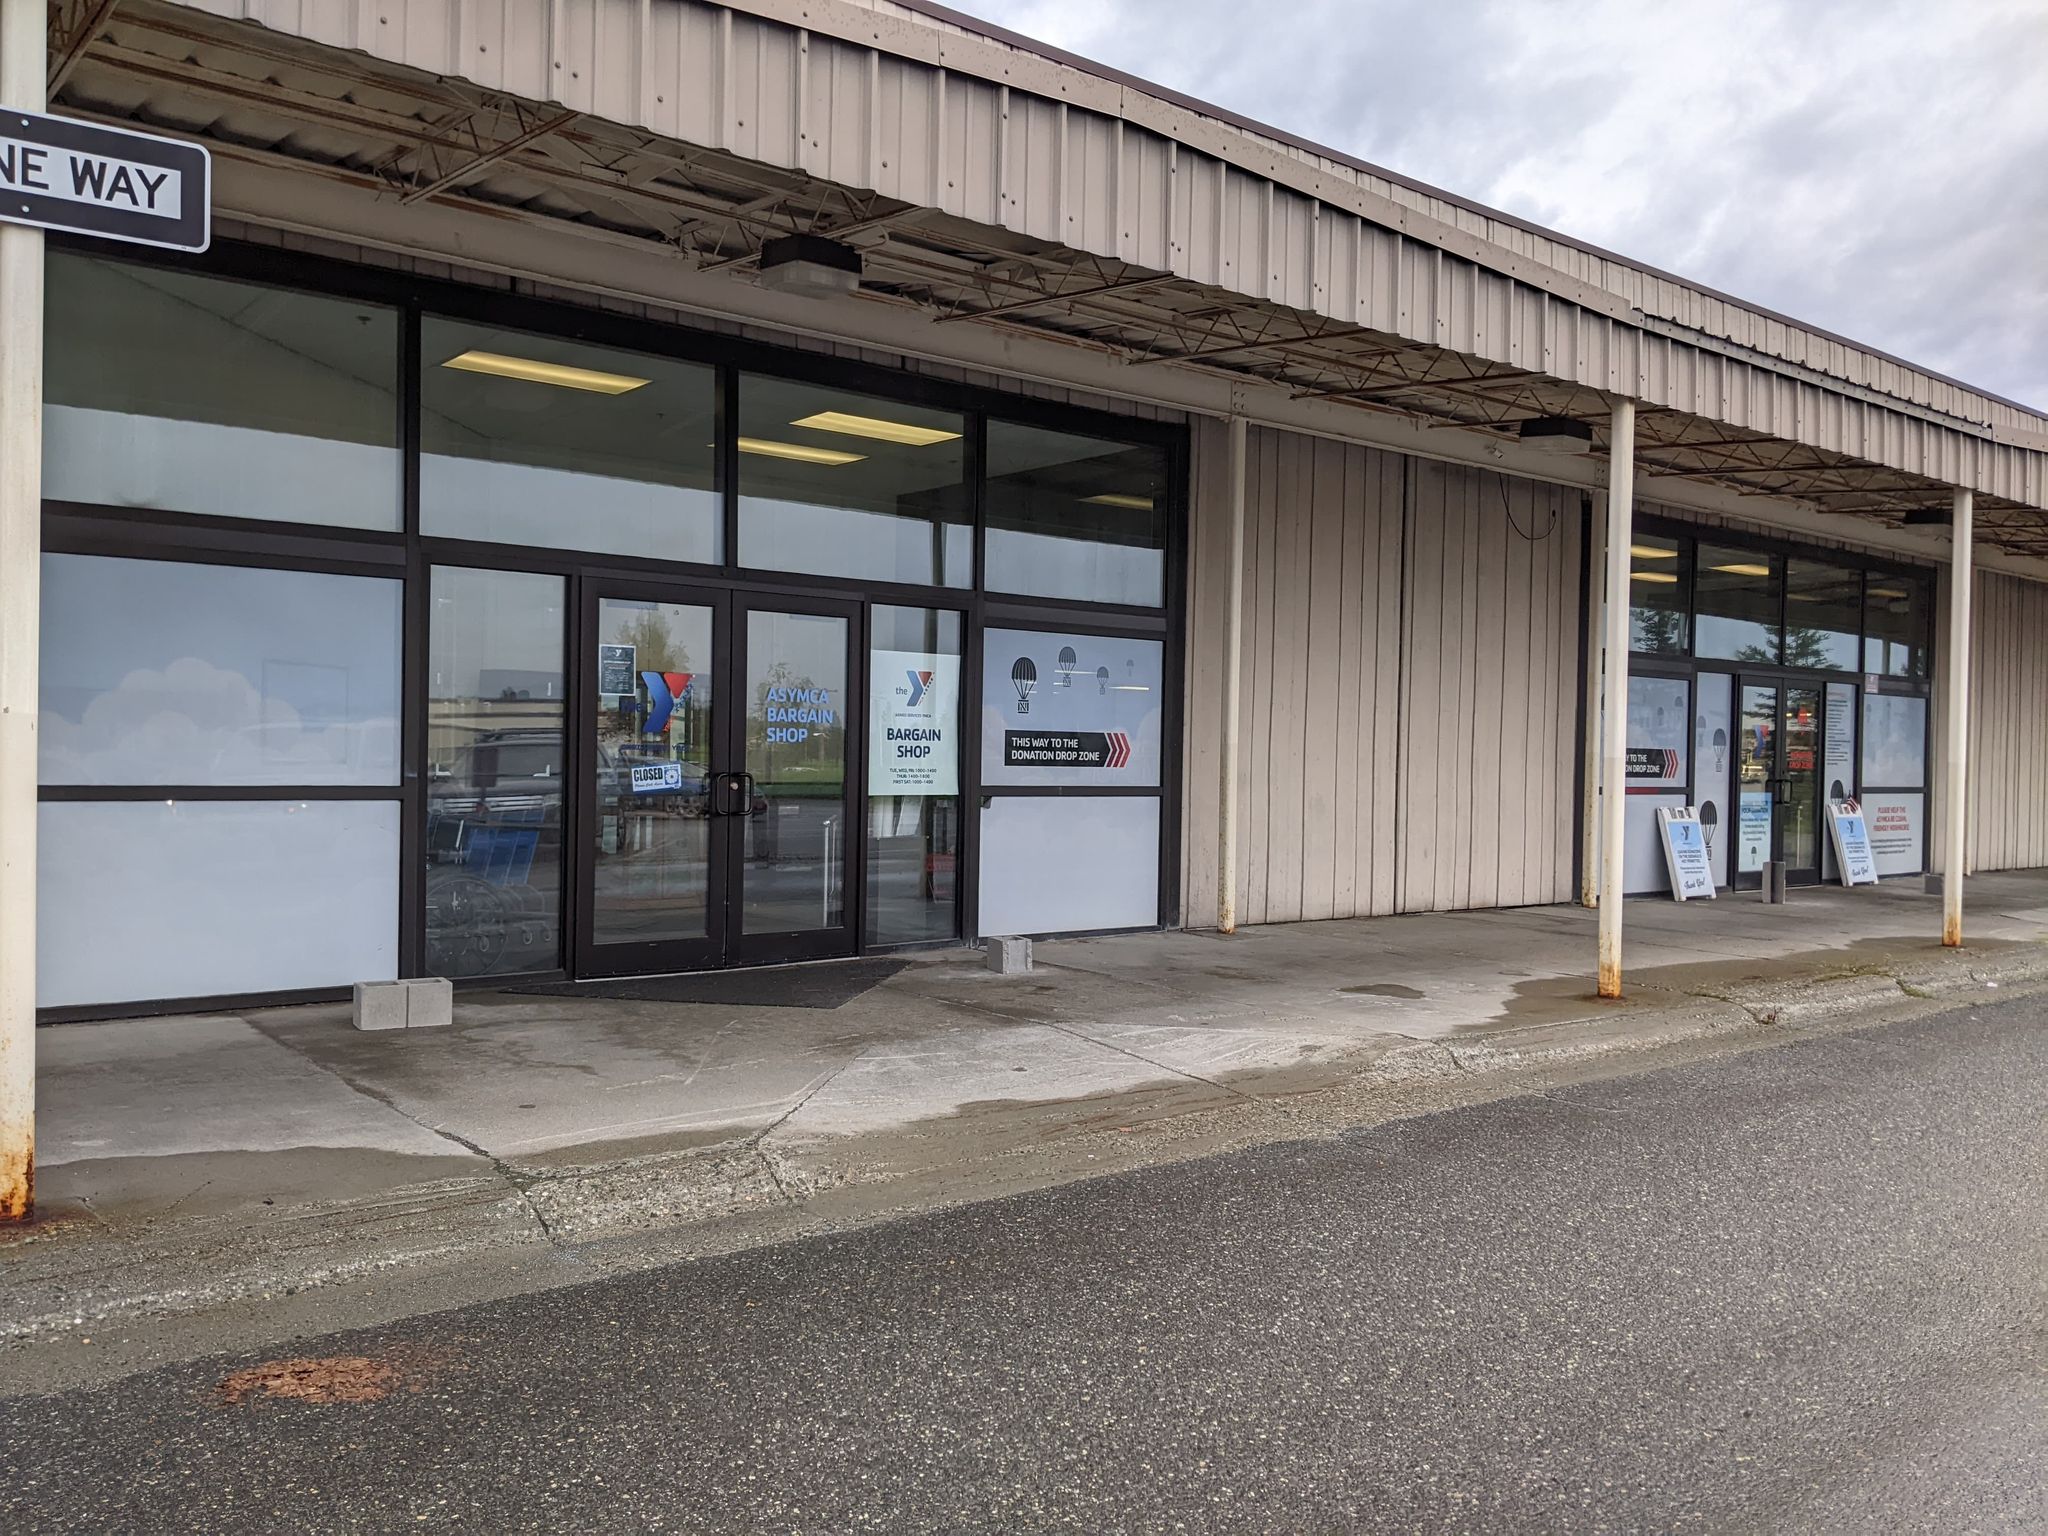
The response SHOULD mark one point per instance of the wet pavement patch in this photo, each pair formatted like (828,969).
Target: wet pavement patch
(332,1379)
(1382,989)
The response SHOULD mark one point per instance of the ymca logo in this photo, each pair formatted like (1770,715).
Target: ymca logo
(919,682)
(663,690)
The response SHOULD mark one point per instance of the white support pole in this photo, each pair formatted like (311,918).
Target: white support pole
(23,65)
(1233,658)
(1621,506)
(1589,749)
(1956,686)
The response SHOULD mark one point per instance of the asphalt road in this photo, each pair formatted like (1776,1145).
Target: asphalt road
(1802,1289)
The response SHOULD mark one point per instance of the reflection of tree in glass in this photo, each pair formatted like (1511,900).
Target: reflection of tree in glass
(1803,648)
(1810,648)
(654,648)
(1656,629)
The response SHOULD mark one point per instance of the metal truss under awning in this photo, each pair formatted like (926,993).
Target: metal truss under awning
(271,100)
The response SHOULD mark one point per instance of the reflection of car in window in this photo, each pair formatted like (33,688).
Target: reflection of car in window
(491,763)
(511,761)
(494,820)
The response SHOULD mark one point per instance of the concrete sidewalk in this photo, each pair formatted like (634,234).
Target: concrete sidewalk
(194,1161)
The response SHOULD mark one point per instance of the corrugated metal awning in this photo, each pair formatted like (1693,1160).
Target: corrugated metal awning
(953,187)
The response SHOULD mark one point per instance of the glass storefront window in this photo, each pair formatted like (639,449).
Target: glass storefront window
(529,439)
(162,672)
(656,687)
(1737,607)
(1075,517)
(1659,590)
(1894,740)
(182,393)
(1068,863)
(1897,625)
(495,755)
(796,737)
(913,849)
(840,484)
(1823,615)
(145,899)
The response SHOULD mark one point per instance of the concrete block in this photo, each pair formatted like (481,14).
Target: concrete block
(380,1005)
(1009,957)
(429,1002)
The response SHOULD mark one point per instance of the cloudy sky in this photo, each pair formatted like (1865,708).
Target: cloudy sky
(1876,167)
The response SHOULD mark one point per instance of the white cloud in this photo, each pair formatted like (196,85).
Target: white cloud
(1877,168)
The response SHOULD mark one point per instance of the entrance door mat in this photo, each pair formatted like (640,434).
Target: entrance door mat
(827,984)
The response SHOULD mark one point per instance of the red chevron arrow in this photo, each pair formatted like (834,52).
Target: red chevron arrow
(1119,749)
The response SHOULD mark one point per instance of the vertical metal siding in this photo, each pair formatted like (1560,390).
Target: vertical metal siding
(1410,683)
(2008,724)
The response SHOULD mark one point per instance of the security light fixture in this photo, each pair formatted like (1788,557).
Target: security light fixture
(802,453)
(876,427)
(534,371)
(1555,434)
(809,266)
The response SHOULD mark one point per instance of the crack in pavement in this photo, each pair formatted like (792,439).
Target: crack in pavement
(756,1142)
(520,1181)
(1195,1077)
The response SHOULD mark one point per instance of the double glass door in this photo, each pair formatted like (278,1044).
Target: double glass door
(1777,770)
(715,758)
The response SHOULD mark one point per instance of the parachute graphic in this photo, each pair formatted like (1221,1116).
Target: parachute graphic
(1024,675)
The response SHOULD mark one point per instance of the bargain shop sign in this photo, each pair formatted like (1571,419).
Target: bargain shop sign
(89,180)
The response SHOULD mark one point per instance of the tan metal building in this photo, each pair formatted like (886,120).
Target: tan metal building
(1299,501)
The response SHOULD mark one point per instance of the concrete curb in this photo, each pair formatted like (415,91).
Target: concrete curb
(67,1275)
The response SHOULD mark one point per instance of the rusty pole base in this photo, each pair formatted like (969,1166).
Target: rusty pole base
(18,1185)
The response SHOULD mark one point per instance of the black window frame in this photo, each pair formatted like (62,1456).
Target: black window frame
(1690,664)
(410,555)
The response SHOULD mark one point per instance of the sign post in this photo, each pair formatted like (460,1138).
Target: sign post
(115,185)
(23,62)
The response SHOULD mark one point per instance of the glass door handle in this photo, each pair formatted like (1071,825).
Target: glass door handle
(732,794)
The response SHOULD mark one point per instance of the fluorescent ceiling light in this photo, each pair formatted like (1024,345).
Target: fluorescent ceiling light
(1886,592)
(875,426)
(1745,570)
(1116,499)
(1663,576)
(1130,687)
(768,448)
(533,371)
(1651,552)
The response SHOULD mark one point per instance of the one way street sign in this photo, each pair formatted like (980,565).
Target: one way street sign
(59,174)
